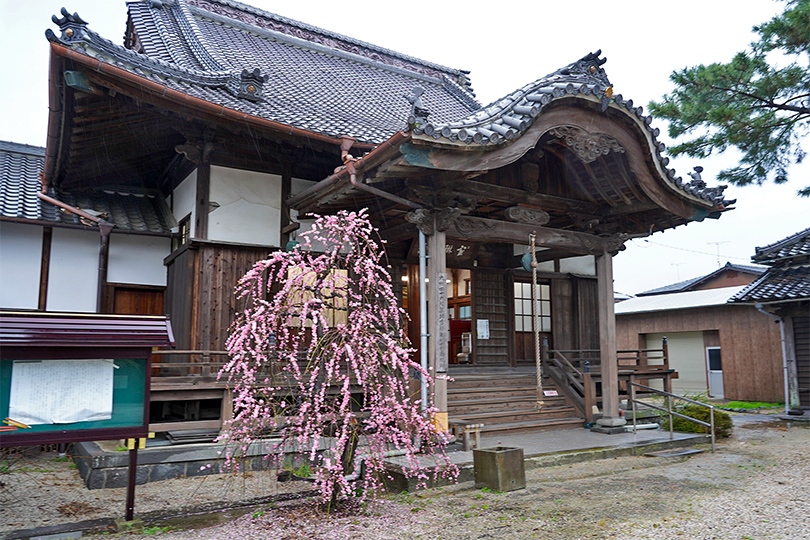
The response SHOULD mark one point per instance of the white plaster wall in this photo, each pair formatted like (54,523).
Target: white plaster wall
(183,199)
(137,259)
(20,256)
(585,265)
(73,276)
(249,207)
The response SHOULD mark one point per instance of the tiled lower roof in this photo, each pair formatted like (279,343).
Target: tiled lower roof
(793,246)
(20,166)
(787,283)
(682,286)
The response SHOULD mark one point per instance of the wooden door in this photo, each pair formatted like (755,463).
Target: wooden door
(132,301)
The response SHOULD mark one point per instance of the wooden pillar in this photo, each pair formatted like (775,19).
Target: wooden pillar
(45,268)
(202,201)
(286,218)
(792,375)
(438,325)
(607,344)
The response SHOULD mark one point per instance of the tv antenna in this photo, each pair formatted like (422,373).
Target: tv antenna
(717,245)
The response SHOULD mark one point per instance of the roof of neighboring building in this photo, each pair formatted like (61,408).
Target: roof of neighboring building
(688,284)
(778,284)
(795,245)
(20,167)
(681,300)
(788,279)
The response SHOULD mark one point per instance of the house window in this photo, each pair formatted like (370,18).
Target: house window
(183,233)
(523,307)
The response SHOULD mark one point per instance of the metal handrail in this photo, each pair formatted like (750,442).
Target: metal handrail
(669,410)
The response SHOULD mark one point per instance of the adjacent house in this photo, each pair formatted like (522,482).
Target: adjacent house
(233,125)
(724,350)
(783,293)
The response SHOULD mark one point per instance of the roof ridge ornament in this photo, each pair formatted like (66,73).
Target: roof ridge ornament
(419,115)
(251,84)
(72,26)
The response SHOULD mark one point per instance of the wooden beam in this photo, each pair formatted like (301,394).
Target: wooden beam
(519,196)
(490,230)
(286,218)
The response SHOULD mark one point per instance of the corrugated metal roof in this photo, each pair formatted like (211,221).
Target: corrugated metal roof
(684,300)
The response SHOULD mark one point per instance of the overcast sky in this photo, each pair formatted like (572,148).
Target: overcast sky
(505,45)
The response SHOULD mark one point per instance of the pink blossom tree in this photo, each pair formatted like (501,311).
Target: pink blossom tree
(319,357)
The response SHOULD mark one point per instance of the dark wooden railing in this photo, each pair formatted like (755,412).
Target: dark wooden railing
(578,373)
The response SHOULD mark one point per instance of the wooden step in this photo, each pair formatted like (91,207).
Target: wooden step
(516,415)
(487,382)
(480,393)
(499,403)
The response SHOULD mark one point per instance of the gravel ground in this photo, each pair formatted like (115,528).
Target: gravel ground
(757,486)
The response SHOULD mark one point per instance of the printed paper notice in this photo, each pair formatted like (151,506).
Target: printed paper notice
(482,325)
(61,391)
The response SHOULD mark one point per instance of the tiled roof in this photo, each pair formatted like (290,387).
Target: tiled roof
(509,117)
(20,166)
(795,245)
(778,284)
(258,63)
(683,300)
(682,286)
(273,68)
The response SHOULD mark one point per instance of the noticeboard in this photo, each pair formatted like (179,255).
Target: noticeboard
(73,399)
(67,377)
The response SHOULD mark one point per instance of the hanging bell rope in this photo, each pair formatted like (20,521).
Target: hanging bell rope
(536,326)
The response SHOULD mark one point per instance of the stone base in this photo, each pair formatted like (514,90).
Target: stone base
(109,469)
(611,421)
(608,430)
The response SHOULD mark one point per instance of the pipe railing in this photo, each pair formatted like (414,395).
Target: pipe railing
(670,413)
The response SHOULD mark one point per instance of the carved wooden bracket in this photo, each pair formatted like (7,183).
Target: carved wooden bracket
(423,219)
(527,215)
(587,146)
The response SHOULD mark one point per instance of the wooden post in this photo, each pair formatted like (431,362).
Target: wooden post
(45,268)
(607,344)
(437,320)
(202,201)
(286,218)
(132,474)
(793,402)
(668,378)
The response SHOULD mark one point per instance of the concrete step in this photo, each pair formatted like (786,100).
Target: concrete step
(536,424)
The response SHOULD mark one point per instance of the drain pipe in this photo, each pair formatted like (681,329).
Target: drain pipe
(781,321)
(104,229)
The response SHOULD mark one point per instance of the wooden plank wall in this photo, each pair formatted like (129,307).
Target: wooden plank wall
(217,270)
(586,313)
(490,301)
(178,298)
(750,345)
(801,340)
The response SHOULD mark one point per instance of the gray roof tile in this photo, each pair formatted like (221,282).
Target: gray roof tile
(20,166)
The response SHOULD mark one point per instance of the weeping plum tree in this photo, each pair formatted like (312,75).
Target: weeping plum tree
(319,356)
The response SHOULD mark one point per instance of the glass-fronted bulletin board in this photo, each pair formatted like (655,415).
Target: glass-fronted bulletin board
(72,377)
(48,395)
